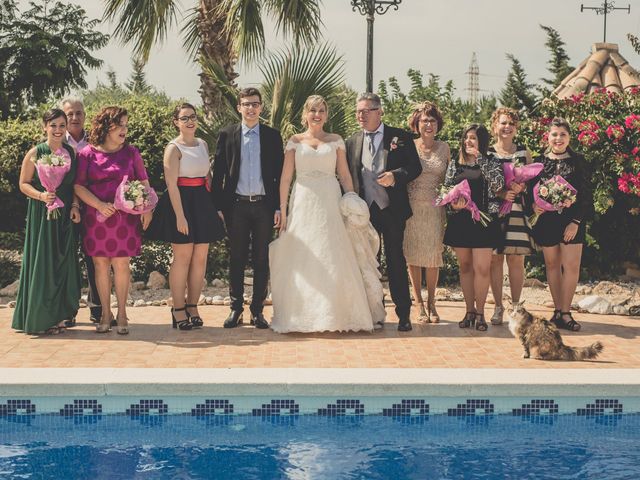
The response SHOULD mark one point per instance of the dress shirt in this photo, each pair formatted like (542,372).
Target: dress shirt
(377,139)
(77,145)
(250,177)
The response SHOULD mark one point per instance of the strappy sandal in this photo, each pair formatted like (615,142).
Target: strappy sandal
(468,321)
(123,329)
(105,327)
(481,324)
(196,321)
(181,324)
(423,316)
(498,315)
(433,313)
(554,317)
(571,325)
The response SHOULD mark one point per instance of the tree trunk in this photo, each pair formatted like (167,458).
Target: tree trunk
(217,46)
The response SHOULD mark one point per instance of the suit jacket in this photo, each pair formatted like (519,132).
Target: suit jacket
(402,160)
(226,165)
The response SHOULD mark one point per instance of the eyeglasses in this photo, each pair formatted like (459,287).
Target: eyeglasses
(186,118)
(429,121)
(366,111)
(250,104)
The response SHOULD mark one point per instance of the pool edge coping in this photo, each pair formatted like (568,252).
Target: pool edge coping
(449,382)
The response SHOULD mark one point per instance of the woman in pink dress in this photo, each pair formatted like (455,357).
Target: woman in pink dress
(101,167)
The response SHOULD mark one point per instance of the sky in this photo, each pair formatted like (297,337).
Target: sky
(433,36)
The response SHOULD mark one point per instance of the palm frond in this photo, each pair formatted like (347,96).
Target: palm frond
(291,75)
(141,22)
(298,19)
(244,25)
(229,92)
(191,40)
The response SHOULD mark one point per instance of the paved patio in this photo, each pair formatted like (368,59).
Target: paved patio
(153,343)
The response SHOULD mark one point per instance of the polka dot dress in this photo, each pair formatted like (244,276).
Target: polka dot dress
(121,234)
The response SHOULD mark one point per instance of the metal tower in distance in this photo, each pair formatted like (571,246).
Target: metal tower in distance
(474,80)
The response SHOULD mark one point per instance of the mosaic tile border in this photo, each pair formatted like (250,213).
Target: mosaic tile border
(261,406)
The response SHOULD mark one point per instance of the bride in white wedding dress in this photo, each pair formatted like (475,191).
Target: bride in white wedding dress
(316,282)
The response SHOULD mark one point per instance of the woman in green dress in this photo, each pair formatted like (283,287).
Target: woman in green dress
(50,276)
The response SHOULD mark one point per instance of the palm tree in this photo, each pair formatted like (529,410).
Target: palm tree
(220,31)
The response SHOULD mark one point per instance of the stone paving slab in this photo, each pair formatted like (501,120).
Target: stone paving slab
(152,343)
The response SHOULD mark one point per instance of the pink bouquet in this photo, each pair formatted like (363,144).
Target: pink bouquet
(515,172)
(462,190)
(51,170)
(553,195)
(132,197)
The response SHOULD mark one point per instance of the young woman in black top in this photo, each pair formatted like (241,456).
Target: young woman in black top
(561,235)
(472,242)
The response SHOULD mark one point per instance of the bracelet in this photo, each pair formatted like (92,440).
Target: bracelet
(577,222)
(74,204)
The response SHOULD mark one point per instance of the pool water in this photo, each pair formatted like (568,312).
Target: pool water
(315,447)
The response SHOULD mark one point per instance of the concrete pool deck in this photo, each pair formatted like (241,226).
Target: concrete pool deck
(152,343)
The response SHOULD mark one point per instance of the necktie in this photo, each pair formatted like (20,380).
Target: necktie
(372,146)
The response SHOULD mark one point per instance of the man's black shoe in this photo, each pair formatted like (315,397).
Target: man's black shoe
(259,321)
(234,319)
(404,325)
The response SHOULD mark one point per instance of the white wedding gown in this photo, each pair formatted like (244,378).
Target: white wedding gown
(316,282)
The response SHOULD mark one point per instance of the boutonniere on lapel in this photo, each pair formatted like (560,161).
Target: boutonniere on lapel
(395,143)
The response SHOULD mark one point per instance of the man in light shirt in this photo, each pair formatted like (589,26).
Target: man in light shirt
(77,138)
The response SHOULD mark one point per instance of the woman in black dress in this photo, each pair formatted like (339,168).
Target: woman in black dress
(561,235)
(186,217)
(472,242)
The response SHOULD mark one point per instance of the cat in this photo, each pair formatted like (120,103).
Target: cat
(536,332)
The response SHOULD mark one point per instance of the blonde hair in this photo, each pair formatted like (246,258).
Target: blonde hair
(509,112)
(312,101)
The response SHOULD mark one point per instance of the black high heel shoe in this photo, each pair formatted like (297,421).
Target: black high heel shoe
(481,324)
(196,321)
(468,321)
(182,324)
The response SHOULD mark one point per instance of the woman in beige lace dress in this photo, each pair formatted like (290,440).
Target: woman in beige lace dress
(425,229)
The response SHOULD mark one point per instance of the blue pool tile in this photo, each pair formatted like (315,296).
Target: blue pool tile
(405,408)
(601,407)
(81,407)
(17,407)
(276,408)
(537,407)
(472,407)
(342,408)
(148,407)
(213,407)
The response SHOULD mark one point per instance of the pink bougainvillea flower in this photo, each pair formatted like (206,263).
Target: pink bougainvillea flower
(615,132)
(632,121)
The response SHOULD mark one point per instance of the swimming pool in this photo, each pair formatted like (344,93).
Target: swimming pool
(320,447)
(319,423)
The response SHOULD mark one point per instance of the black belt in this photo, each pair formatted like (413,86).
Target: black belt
(251,198)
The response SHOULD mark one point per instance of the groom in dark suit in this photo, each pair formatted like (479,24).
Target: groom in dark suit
(382,160)
(246,192)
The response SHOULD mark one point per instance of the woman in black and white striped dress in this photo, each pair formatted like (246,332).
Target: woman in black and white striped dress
(516,232)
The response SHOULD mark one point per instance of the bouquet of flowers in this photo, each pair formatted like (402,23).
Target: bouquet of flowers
(553,195)
(516,172)
(462,190)
(133,197)
(51,170)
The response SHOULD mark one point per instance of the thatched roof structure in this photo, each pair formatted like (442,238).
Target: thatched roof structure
(605,67)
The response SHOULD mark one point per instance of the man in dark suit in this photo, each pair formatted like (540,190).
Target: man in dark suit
(382,160)
(245,189)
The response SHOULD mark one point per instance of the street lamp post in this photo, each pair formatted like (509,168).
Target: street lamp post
(370,8)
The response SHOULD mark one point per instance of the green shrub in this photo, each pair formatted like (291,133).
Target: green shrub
(155,256)
(11,241)
(9,268)
(218,260)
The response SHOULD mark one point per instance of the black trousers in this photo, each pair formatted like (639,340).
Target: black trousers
(250,225)
(391,230)
(93,298)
